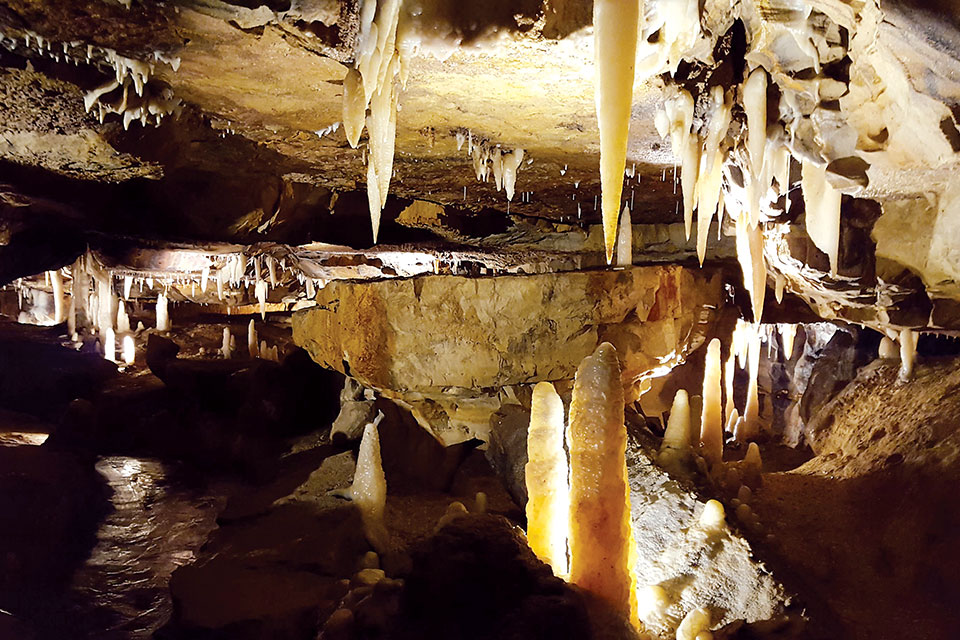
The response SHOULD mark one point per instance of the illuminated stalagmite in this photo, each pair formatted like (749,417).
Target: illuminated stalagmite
(369,489)
(711,422)
(601,541)
(615,25)
(548,493)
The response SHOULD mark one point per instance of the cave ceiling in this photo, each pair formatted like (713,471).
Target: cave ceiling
(236,134)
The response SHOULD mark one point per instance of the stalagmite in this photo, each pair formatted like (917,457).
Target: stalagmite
(822,204)
(888,349)
(59,306)
(252,346)
(751,417)
(752,464)
(128,349)
(908,352)
(711,422)
(548,502)
(369,489)
(694,624)
(713,517)
(615,24)
(163,317)
(625,239)
(600,530)
(264,351)
(226,349)
(109,344)
(728,374)
(678,434)
(123,320)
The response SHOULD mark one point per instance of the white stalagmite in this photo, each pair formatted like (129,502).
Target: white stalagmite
(751,417)
(615,25)
(128,349)
(625,239)
(788,333)
(59,302)
(750,257)
(123,320)
(252,346)
(888,349)
(601,535)
(511,163)
(908,352)
(226,349)
(711,421)
(163,316)
(369,490)
(822,204)
(548,502)
(109,344)
(678,435)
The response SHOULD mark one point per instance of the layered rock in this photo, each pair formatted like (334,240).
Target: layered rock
(449,345)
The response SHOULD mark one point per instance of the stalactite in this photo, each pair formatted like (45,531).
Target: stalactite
(615,24)
(709,177)
(127,286)
(711,422)
(822,204)
(788,332)
(600,529)
(548,491)
(511,163)
(260,290)
(750,257)
(625,239)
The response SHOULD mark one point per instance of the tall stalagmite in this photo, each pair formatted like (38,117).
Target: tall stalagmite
(615,25)
(601,540)
(548,491)
(711,422)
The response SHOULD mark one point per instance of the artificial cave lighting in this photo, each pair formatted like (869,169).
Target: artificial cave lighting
(512,368)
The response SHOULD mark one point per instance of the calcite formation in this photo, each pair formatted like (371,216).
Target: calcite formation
(548,491)
(601,538)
